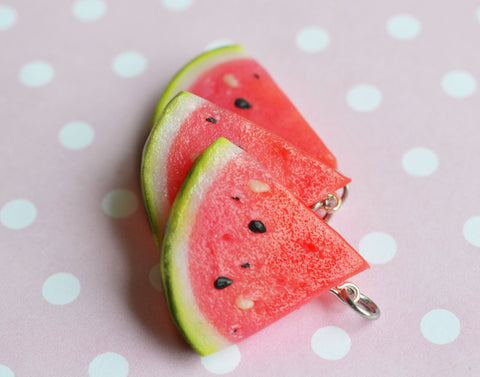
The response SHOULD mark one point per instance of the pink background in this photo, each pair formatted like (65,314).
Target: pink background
(117,309)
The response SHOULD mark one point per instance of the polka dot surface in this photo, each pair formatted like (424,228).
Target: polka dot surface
(36,74)
(76,135)
(459,84)
(471,230)
(89,10)
(129,64)
(120,203)
(6,371)
(61,288)
(420,162)
(440,326)
(331,343)
(378,247)
(403,27)
(392,90)
(18,214)
(177,5)
(312,39)
(364,98)
(222,362)
(8,17)
(109,364)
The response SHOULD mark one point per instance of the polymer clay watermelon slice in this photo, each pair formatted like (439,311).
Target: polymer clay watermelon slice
(240,251)
(230,78)
(189,124)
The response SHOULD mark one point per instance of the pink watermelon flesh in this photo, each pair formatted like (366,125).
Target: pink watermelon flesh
(238,83)
(268,268)
(190,124)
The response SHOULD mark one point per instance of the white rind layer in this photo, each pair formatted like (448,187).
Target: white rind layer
(200,333)
(155,155)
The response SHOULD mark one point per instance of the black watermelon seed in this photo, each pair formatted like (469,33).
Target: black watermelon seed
(236,198)
(222,282)
(235,330)
(256,226)
(242,103)
(211,120)
(256,75)
(245,265)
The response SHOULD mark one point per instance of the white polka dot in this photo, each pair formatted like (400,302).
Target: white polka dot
(36,73)
(364,98)
(155,278)
(89,10)
(403,26)
(219,43)
(331,343)
(312,39)
(108,364)
(8,17)
(120,203)
(76,135)
(177,4)
(6,371)
(223,361)
(440,326)
(459,84)
(61,289)
(420,162)
(471,230)
(378,247)
(18,214)
(129,64)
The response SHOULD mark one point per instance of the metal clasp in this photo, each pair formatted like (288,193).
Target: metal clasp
(349,294)
(331,203)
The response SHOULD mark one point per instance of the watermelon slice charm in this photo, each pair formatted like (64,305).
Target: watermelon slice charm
(189,124)
(230,78)
(241,251)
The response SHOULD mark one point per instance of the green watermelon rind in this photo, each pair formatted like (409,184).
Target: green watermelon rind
(198,332)
(192,70)
(156,149)
(149,170)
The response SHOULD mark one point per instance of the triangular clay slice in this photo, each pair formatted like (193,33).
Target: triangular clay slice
(231,78)
(240,251)
(189,124)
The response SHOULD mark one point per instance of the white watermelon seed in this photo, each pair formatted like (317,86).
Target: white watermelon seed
(230,80)
(258,186)
(244,303)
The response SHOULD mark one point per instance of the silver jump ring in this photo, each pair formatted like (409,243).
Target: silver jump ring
(349,294)
(332,203)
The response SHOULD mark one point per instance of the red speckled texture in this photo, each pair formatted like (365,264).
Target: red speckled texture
(296,259)
(270,107)
(118,310)
(309,179)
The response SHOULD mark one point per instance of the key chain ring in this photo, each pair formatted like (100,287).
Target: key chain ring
(349,294)
(330,209)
